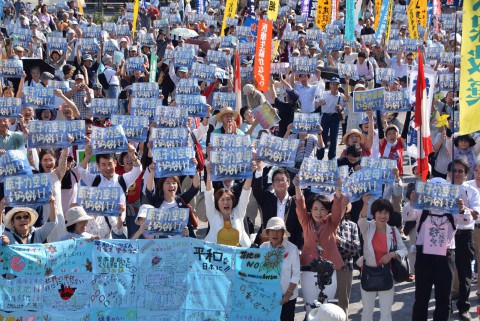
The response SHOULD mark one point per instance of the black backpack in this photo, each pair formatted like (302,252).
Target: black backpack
(102,79)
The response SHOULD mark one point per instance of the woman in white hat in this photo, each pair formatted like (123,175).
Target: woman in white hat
(19,223)
(290,277)
(76,220)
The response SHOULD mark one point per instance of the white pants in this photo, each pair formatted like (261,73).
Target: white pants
(310,290)
(386,301)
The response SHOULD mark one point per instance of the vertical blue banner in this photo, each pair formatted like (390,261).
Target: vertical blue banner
(350,20)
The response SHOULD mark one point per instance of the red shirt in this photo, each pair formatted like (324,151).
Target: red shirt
(135,190)
(379,243)
(396,153)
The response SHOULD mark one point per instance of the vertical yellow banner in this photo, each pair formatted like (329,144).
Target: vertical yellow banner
(80,7)
(276,44)
(324,11)
(378,7)
(389,20)
(230,11)
(412,19)
(135,16)
(422,12)
(470,77)
(272,12)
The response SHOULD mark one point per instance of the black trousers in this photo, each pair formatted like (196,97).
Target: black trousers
(288,311)
(464,254)
(433,270)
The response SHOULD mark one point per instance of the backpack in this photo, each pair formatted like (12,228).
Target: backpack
(102,79)
(368,63)
(198,153)
(121,181)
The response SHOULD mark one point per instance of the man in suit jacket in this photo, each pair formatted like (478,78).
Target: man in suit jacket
(277,203)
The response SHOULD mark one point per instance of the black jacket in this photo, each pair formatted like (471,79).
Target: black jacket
(268,202)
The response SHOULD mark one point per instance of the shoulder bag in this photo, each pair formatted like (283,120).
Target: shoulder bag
(400,267)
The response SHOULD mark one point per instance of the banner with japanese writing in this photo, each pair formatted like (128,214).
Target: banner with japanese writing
(166,222)
(412,19)
(183,58)
(231,163)
(89,45)
(187,86)
(13,163)
(277,151)
(469,93)
(145,107)
(315,172)
(350,20)
(203,72)
(273,6)
(28,189)
(219,58)
(135,127)
(42,97)
(386,165)
(166,116)
(108,140)
(364,181)
(100,200)
(169,137)
(304,123)
(163,279)
(103,107)
(221,100)
(435,196)
(386,75)
(176,161)
(372,99)
(57,43)
(10,107)
(230,12)
(135,64)
(12,68)
(226,141)
(324,11)
(266,115)
(263,54)
(396,101)
(48,134)
(196,105)
(145,90)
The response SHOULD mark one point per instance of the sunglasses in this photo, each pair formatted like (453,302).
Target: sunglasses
(25,217)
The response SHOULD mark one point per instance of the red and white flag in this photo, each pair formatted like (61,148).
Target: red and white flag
(422,121)
(238,88)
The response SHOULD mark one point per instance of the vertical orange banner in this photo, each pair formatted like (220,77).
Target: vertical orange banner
(263,54)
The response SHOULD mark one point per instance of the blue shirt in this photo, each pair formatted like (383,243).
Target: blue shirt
(306,96)
(13,140)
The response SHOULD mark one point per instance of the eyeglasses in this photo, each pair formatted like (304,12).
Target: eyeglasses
(280,180)
(458,171)
(25,217)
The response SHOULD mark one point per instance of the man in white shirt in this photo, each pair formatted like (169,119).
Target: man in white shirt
(475,183)
(111,74)
(365,69)
(359,27)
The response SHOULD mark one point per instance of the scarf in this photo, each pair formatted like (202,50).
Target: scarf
(466,155)
(388,148)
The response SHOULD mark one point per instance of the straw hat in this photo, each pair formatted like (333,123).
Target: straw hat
(353,132)
(9,216)
(225,110)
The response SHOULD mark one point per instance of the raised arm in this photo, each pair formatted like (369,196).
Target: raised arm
(371,131)
(62,164)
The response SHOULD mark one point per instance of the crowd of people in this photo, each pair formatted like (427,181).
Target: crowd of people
(367,232)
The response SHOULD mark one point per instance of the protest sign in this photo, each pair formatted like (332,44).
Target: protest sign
(100,200)
(59,84)
(225,141)
(56,43)
(278,68)
(13,163)
(196,105)
(127,280)
(145,90)
(372,99)
(314,35)
(266,116)
(350,20)
(174,18)
(304,123)
(42,97)
(166,116)
(187,86)
(263,55)
(449,82)
(166,222)
(91,31)
(28,189)
(20,33)
(176,161)
(384,75)
(183,58)
(10,107)
(369,40)
(152,77)
(76,129)
(135,64)
(347,70)
(89,45)
(145,107)
(110,27)
(395,46)
(103,107)
(232,22)
(363,181)
(332,30)
(323,189)
(168,137)
(11,68)
(246,73)
(246,48)
(219,58)
(203,72)
(108,140)
(135,127)
(449,58)
(231,163)
(161,24)
(335,43)
(386,165)
(124,31)
(396,101)
(290,36)
(110,47)
(48,134)
(228,42)
(146,40)
(435,196)
(273,7)
(243,31)
(412,45)
(315,172)
(221,100)
(323,14)
(304,65)
(277,151)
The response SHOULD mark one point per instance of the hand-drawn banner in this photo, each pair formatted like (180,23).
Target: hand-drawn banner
(386,165)
(100,200)
(266,116)
(28,189)
(41,97)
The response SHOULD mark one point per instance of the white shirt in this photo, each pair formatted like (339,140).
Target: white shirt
(332,101)
(306,96)
(290,266)
(281,204)
(473,198)
(111,75)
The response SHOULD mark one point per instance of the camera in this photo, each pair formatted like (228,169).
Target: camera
(324,270)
